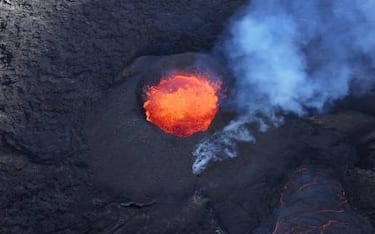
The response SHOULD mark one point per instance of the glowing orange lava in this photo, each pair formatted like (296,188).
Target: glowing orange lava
(182,105)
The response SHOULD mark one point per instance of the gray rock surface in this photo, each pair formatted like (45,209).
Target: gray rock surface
(56,57)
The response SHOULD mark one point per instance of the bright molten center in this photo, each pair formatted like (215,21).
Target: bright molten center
(182,105)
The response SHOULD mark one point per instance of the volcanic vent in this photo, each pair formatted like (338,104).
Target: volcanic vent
(136,159)
(182,104)
(125,145)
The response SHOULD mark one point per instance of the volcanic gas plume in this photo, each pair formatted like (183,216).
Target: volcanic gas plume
(293,57)
(182,104)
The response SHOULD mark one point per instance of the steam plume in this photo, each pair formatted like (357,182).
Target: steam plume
(292,56)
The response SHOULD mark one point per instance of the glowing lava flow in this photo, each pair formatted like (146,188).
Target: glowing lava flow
(182,105)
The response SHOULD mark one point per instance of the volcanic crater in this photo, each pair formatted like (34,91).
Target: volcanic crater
(79,156)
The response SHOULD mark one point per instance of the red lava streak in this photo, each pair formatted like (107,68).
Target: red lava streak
(312,202)
(182,105)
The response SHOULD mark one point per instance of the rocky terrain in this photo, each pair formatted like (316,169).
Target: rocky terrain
(59,56)
(76,153)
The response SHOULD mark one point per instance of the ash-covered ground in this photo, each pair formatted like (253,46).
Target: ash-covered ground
(77,155)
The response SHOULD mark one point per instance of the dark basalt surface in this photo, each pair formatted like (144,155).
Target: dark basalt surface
(62,69)
(136,159)
(56,57)
(312,201)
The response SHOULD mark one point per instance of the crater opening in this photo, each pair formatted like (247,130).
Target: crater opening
(182,104)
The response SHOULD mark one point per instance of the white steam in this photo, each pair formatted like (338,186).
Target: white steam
(292,56)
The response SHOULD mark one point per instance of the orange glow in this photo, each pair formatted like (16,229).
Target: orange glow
(182,105)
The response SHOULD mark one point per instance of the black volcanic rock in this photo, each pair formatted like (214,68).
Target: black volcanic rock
(359,182)
(56,57)
(312,201)
(136,159)
(359,127)
(121,140)
(360,187)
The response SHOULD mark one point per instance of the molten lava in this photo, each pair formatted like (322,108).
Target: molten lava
(182,105)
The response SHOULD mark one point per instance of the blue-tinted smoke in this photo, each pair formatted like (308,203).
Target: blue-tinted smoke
(292,56)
